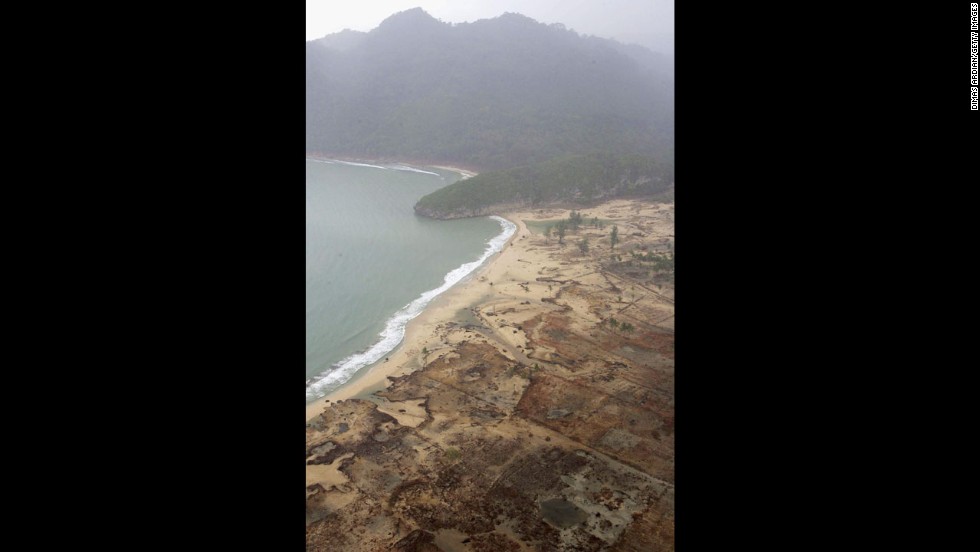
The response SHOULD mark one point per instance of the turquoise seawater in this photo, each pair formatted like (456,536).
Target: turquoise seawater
(372,264)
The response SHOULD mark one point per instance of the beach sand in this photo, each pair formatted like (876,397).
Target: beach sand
(526,394)
(423,331)
(519,261)
(464,173)
(375,377)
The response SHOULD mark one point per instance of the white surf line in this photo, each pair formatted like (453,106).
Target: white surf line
(394,331)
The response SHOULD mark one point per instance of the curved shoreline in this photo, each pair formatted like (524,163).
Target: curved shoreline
(440,310)
(394,332)
(391,325)
(523,366)
(463,172)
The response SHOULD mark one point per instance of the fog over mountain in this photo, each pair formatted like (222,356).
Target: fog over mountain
(649,23)
(491,94)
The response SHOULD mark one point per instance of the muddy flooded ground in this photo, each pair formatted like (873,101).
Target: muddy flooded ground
(533,425)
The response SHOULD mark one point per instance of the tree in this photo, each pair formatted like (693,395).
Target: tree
(583,246)
(562,227)
(614,236)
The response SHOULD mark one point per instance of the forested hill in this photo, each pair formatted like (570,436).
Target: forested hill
(492,94)
(582,180)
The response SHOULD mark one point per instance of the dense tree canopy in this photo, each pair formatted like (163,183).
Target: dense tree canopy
(584,180)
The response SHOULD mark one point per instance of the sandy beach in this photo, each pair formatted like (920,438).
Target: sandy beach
(539,417)
(494,285)
(375,377)
(422,332)
(465,173)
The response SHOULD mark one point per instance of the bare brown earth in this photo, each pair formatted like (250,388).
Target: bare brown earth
(532,424)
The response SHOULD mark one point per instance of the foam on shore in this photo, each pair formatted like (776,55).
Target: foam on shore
(394,330)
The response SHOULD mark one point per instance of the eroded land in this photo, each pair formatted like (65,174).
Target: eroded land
(529,422)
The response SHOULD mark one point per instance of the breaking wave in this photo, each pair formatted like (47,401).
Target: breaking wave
(394,330)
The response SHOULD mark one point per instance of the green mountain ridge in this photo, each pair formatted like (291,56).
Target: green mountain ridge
(491,94)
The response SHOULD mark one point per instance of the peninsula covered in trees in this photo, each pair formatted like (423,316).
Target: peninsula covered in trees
(583,180)
(532,406)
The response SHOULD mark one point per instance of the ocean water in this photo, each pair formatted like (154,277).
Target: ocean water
(372,264)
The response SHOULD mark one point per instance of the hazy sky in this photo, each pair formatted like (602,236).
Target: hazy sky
(646,22)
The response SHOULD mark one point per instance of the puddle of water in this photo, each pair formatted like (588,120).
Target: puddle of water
(562,513)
